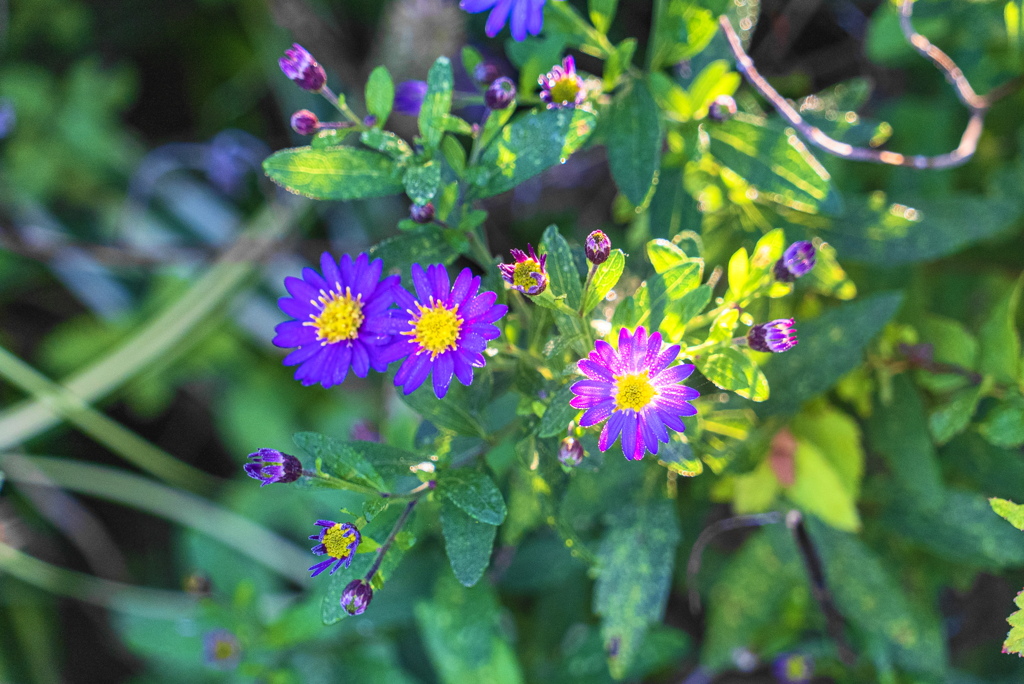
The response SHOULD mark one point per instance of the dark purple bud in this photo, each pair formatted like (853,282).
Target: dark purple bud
(422,213)
(774,336)
(370,121)
(598,247)
(304,122)
(722,109)
(500,94)
(356,597)
(485,73)
(270,466)
(796,261)
(409,97)
(570,452)
(298,65)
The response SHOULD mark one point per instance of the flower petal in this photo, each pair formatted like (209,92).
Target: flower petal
(596,414)
(444,366)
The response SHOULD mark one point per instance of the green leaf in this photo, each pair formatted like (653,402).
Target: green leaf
(818,489)
(474,492)
(425,245)
(422,181)
(872,600)
(830,346)
(999,342)
(532,143)
(658,294)
(468,543)
(378,529)
(634,577)
(838,437)
(731,369)
(634,141)
(606,276)
(380,94)
(665,255)
(739,271)
(1015,639)
(386,142)
(437,103)
(899,432)
(602,12)
(1004,425)
(558,415)
(875,231)
(967,531)
(950,340)
(454,154)
(776,162)
(333,173)
(716,79)
(678,456)
(679,311)
(749,599)
(952,417)
(1012,512)
(565,279)
(471,58)
(462,634)
(685,30)
(445,413)
(339,459)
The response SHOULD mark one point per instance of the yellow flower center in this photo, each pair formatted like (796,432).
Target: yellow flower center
(565,89)
(223,650)
(436,328)
(337,540)
(522,276)
(340,317)
(633,391)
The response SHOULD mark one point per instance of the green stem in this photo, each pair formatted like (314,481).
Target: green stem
(117,596)
(399,524)
(234,531)
(167,330)
(342,106)
(104,430)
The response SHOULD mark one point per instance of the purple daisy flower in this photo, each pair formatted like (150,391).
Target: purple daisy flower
(793,668)
(796,262)
(443,329)
(341,319)
(635,391)
(270,466)
(221,649)
(562,86)
(528,273)
(774,336)
(527,15)
(298,65)
(339,541)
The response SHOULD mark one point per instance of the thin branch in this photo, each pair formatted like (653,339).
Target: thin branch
(709,533)
(977,105)
(819,589)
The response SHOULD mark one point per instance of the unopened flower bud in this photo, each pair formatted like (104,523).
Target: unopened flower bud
(409,97)
(271,466)
(774,336)
(422,213)
(796,261)
(304,122)
(298,65)
(356,597)
(500,94)
(570,452)
(485,73)
(369,120)
(722,109)
(598,247)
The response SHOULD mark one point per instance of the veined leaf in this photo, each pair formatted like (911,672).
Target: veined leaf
(606,276)
(339,459)
(565,279)
(436,103)
(380,94)
(634,141)
(1012,512)
(474,492)
(468,543)
(333,173)
(532,143)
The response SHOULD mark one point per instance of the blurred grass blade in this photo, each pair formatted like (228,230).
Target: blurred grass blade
(189,510)
(104,430)
(167,329)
